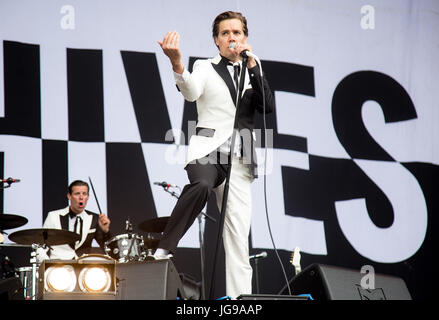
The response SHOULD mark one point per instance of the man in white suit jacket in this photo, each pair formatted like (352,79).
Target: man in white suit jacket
(213,85)
(91,226)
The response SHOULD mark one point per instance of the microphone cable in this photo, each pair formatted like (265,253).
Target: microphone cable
(265,176)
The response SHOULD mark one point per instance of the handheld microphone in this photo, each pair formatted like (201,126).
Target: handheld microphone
(164,184)
(9,180)
(246,53)
(263,254)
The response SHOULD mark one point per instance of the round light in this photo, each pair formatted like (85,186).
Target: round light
(60,279)
(94,279)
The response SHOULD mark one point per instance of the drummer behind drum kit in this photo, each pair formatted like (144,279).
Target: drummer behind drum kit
(124,248)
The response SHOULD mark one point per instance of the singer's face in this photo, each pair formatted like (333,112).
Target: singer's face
(78,198)
(230,30)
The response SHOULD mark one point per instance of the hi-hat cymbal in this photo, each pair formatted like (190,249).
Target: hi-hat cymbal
(44,236)
(156,225)
(11,221)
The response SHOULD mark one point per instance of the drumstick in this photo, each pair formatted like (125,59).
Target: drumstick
(96,198)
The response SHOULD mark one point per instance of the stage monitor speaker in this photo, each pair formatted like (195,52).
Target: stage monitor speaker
(11,289)
(325,282)
(270,297)
(152,280)
(192,288)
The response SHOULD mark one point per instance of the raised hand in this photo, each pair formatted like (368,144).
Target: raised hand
(171,48)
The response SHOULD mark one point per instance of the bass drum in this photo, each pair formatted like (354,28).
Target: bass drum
(126,248)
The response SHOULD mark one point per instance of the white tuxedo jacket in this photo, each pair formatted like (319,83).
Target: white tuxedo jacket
(213,89)
(59,219)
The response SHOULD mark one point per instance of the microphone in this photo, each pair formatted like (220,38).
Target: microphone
(246,53)
(263,254)
(164,184)
(9,180)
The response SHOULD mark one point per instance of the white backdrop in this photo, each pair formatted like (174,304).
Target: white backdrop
(337,38)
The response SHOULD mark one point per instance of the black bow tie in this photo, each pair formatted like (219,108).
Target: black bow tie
(235,65)
(72,214)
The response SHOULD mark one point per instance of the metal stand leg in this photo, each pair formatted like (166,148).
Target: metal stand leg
(203,294)
(33,261)
(257,276)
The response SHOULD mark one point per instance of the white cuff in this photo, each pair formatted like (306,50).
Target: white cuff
(179,78)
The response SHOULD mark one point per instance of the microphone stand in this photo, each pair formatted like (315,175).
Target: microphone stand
(200,236)
(229,170)
(257,275)
(4,187)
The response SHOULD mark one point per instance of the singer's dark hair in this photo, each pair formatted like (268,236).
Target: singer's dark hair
(78,183)
(226,16)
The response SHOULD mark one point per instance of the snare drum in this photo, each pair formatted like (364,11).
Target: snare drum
(25,275)
(126,248)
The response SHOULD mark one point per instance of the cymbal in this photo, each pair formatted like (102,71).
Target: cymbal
(11,221)
(156,225)
(44,236)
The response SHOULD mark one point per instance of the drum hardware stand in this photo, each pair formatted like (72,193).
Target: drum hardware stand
(33,261)
(149,251)
(200,232)
(129,230)
(128,226)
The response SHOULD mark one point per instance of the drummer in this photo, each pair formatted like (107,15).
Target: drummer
(89,225)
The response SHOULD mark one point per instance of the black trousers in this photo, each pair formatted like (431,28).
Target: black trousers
(204,175)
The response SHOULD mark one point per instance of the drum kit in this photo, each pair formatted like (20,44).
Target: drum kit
(132,247)
(124,248)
